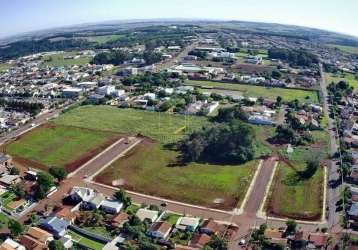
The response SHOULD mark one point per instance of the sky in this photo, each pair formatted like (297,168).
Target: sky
(18,16)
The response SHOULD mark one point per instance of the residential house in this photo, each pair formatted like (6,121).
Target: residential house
(146,214)
(93,203)
(111,206)
(160,230)
(5,160)
(275,237)
(79,194)
(72,92)
(119,219)
(67,241)
(187,223)
(260,120)
(66,214)
(199,240)
(209,227)
(318,240)
(10,244)
(54,225)
(9,180)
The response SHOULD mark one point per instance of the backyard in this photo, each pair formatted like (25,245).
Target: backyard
(258,91)
(59,145)
(91,244)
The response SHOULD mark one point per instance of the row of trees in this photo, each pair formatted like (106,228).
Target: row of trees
(118,57)
(31,107)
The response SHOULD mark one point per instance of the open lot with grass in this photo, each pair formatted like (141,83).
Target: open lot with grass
(59,145)
(350,78)
(4,67)
(258,91)
(162,127)
(297,199)
(58,60)
(151,169)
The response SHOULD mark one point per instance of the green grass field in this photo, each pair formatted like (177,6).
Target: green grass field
(152,170)
(4,67)
(297,200)
(350,78)
(258,91)
(104,39)
(86,241)
(159,126)
(59,61)
(57,145)
(347,49)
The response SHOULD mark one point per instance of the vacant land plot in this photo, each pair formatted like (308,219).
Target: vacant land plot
(59,60)
(349,78)
(4,67)
(159,126)
(59,145)
(151,169)
(295,198)
(257,91)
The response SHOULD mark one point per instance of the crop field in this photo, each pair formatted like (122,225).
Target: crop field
(296,199)
(162,127)
(258,91)
(59,61)
(153,170)
(350,78)
(59,145)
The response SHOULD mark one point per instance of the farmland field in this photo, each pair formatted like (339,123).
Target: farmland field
(350,78)
(104,39)
(296,199)
(58,145)
(258,91)
(347,49)
(151,169)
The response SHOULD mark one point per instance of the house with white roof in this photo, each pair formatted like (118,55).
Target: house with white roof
(187,223)
(150,215)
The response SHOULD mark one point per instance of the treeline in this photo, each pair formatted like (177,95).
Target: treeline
(23,48)
(294,57)
(31,107)
(119,57)
(153,79)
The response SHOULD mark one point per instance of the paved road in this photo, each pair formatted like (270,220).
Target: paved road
(333,193)
(258,192)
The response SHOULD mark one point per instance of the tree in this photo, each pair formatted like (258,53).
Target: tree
(122,196)
(15,228)
(44,184)
(291,227)
(311,168)
(14,171)
(56,245)
(279,101)
(231,113)
(218,243)
(58,172)
(18,190)
(276,74)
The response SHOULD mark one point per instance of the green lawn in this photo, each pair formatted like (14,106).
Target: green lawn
(99,230)
(347,49)
(4,219)
(153,170)
(59,61)
(159,126)
(350,78)
(258,91)
(86,241)
(298,200)
(172,218)
(6,199)
(4,67)
(58,145)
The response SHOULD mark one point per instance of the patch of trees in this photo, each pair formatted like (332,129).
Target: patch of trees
(294,57)
(31,107)
(286,134)
(227,143)
(44,183)
(119,57)
(231,114)
(152,79)
(198,53)
(338,90)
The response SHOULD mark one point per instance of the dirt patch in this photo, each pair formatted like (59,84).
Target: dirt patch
(26,164)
